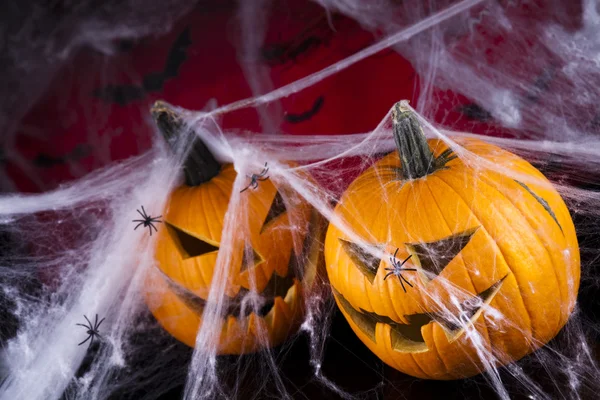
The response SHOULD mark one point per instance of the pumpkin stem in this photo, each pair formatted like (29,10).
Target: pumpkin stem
(200,165)
(416,156)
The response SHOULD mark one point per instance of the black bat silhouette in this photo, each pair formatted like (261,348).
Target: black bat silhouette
(153,82)
(300,117)
(475,112)
(43,160)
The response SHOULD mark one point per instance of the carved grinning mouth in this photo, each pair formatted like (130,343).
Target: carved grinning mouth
(407,338)
(276,287)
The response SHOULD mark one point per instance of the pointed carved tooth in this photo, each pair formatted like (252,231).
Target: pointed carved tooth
(280,318)
(230,325)
(250,324)
(283,308)
(291,296)
(254,279)
(257,326)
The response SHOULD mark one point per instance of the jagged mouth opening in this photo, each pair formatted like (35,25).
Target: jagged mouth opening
(408,338)
(238,306)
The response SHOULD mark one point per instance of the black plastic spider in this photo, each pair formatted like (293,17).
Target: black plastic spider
(92,330)
(257,177)
(148,221)
(397,270)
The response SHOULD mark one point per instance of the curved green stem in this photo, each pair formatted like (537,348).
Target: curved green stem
(416,156)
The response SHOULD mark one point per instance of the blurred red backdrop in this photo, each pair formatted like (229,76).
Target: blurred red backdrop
(96,109)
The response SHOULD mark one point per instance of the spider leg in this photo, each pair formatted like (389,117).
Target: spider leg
(403,288)
(152,226)
(141,223)
(89,322)
(143,215)
(388,274)
(396,253)
(405,280)
(150,229)
(406,259)
(85,326)
(263,179)
(246,188)
(88,338)
(144,211)
(254,184)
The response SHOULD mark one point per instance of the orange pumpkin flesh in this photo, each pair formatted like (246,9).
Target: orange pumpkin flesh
(270,260)
(478,239)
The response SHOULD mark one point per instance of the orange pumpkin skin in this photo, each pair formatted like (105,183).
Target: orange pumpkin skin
(519,242)
(187,246)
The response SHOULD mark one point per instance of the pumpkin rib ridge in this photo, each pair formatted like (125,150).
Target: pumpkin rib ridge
(389,287)
(391,353)
(185,277)
(436,352)
(203,199)
(405,208)
(414,357)
(487,333)
(527,311)
(541,242)
(500,252)
(225,188)
(214,210)
(212,242)
(364,279)
(530,253)
(474,287)
(205,271)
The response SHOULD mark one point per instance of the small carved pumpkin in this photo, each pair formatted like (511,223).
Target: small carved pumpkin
(273,261)
(491,263)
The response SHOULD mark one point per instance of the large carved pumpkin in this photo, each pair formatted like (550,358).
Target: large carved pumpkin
(270,260)
(491,266)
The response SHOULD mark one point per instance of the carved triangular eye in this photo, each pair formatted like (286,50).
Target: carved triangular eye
(433,257)
(277,208)
(189,245)
(364,261)
(250,261)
